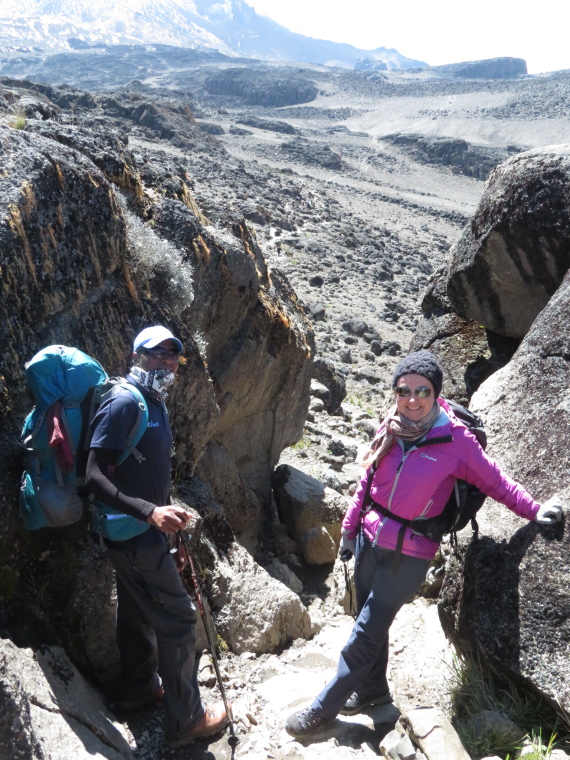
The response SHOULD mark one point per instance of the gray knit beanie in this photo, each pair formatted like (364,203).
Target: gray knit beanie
(420,363)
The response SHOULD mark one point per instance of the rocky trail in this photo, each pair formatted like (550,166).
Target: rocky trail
(264,691)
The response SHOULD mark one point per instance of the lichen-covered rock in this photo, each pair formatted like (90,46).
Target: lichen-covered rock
(47,709)
(506,595)
(258,343)
(514,253)
(106,148)
(82,266)
(63,233)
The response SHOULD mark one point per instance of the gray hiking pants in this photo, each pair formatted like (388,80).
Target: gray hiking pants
(156,632)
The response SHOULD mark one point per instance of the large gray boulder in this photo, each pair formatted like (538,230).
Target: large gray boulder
(254,611)
(242,508)
(506,596)
(317,546)
(467,351)
(257,343)
(305,503)
(91,612)
(48,710)
(325,372)
(514,253)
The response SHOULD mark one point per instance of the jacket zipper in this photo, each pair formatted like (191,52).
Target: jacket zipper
(398,471)
(426,509)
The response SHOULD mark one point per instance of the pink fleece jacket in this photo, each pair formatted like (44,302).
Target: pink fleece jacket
(420,481)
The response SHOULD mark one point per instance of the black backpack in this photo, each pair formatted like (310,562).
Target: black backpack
(463,504)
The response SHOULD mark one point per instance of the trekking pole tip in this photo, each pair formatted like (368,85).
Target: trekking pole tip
(233,741)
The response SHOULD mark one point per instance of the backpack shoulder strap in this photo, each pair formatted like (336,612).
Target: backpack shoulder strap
(140,425)
(367,501)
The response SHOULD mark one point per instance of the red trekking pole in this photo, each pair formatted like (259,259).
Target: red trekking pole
(211,635)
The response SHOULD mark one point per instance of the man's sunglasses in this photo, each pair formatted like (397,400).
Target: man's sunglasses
(421,392)
(160,353)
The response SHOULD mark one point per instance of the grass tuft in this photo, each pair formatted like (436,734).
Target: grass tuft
(18,120)
(474,689)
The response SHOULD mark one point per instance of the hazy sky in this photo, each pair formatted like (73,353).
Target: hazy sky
(440,31)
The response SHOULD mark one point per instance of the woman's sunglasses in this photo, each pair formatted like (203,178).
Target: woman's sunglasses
(421,392)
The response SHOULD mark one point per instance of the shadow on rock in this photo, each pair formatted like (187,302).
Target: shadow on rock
(491,604)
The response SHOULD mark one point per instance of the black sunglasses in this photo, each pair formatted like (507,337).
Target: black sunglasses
(422,392)
(160,353)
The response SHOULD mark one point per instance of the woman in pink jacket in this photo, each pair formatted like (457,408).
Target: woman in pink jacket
(417,455)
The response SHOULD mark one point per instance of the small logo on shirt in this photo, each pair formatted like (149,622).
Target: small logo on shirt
(153,424)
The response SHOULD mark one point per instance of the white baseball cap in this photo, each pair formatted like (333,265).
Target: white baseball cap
(152,336)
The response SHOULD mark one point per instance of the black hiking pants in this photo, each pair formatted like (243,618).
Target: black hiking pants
(156,632)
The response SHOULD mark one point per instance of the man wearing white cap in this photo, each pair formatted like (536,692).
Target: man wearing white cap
(155,616)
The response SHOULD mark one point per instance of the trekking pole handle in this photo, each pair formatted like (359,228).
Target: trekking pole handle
(183,538)
(346,555)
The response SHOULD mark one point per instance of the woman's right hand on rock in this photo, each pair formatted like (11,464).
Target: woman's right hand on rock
(549,513)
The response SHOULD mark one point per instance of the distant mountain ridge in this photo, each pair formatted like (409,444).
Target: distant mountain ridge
(230,26)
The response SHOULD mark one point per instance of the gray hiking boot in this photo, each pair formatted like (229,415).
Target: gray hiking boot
(356,704)
(306,722)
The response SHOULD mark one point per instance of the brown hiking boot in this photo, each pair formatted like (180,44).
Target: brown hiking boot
(214,719)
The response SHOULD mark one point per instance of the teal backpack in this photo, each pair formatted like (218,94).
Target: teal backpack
(68,387)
